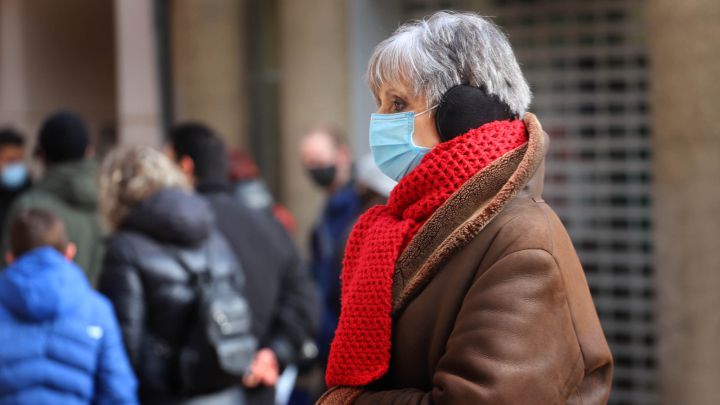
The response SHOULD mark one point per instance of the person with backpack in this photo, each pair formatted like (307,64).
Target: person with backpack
(281,293)
(176,286)
(59,340)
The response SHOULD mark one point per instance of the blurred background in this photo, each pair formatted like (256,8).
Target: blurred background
(627,89)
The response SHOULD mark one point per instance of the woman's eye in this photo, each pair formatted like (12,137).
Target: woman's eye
(398,105)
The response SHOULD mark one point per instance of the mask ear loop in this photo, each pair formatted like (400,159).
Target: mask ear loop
(417,115)
(431,108)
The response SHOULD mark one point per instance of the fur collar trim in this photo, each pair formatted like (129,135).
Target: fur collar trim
(464,215)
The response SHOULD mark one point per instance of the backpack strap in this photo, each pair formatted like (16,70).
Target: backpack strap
(198,277)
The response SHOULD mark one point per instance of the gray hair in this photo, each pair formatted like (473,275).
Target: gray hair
(128,175)
(447,49)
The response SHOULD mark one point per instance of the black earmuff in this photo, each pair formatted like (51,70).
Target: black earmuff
(465,107)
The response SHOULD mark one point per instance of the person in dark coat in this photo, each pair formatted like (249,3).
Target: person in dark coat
(59,340)
(161,231)
(327,159)
(68,187)
(281,295)
(14,174)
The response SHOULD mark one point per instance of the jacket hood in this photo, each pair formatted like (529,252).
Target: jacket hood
(73,182)
(41,285)
(172,216)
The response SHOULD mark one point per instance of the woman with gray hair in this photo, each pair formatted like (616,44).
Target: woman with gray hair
(465,288)
(164,243)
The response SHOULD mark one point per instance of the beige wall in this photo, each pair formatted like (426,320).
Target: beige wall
(208,48)
(55,55)
(685,59)
(13,104)
(314,90)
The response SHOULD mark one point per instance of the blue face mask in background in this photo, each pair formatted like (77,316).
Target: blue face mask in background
(14,175)
(391,143)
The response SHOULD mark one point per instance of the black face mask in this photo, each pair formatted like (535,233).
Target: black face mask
(464,107)
(323,176)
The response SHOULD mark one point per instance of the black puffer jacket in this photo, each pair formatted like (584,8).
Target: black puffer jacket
(151,291)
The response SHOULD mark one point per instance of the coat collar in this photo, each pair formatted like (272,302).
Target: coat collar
(467,212)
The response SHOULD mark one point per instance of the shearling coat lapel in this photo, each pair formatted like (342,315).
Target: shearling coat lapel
(465,214)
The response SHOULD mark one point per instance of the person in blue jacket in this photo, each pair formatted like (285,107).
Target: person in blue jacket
(59,339)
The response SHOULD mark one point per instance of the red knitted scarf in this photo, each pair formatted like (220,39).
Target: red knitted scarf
(360,352)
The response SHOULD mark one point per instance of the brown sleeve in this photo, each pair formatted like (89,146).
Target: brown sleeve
(339,396)
(513,341)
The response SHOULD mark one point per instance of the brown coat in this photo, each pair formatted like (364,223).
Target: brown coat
(490,302)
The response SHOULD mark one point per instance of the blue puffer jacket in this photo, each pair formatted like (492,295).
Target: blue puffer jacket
(59,340)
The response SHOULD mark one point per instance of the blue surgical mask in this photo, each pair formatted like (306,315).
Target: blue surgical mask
(14,175)
(392,145)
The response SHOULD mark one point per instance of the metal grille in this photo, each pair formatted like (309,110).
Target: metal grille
(586,62)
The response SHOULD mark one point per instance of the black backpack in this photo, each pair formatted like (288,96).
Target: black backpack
(220,346)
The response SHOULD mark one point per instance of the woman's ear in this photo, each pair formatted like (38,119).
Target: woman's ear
(70,251)
(9,258)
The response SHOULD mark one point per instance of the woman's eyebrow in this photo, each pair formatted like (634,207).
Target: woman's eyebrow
(396,93)
(393,90)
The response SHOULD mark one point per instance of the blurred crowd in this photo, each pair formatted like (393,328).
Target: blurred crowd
(168,276)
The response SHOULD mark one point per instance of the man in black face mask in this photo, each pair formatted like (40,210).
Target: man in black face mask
(328,161)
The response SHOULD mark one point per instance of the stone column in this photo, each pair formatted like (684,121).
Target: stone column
(138,87)
(685,93)
(13,103)
(314,90)
(209,65)
(56,55)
